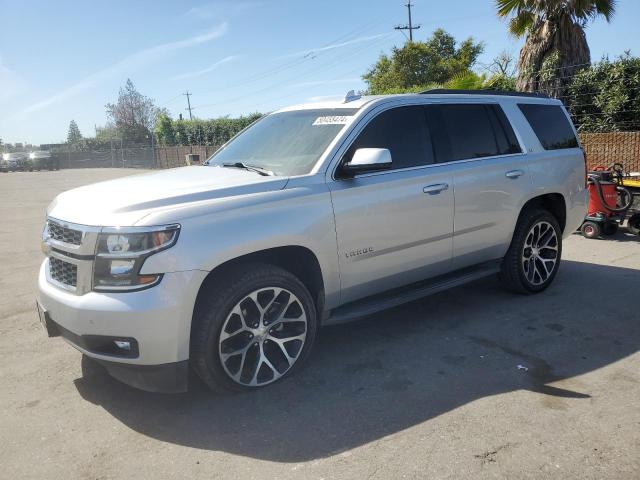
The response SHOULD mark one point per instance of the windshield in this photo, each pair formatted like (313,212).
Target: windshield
(287,143)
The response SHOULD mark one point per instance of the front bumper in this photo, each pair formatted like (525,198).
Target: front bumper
(157,319)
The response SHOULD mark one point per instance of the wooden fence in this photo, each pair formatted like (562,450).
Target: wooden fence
(170,157)
(616,147)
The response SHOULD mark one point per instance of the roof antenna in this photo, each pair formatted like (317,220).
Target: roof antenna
(351,96)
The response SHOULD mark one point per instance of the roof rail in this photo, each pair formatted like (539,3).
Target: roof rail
(507,93)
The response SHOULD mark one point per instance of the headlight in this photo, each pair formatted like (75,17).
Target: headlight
(121,252)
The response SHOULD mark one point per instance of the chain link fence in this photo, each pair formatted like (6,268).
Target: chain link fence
(604,149)
(132,157)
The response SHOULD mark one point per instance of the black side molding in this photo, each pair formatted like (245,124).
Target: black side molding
(383,301)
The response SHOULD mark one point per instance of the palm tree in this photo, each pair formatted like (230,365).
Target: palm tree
(556,45)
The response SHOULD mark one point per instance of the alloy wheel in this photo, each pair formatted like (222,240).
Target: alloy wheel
(540,253)
(262,337)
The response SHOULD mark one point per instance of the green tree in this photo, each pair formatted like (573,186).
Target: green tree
(164,130)
(107,134)
(419,65)
(133,114)
(556,44)
(500,81)
(212,132)
(74,137)
(606,97)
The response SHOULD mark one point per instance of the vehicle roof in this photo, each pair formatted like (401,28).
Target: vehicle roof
(361,101)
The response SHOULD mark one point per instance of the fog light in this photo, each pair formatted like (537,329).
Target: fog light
(122,345)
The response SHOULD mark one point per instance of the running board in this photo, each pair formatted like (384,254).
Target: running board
(376,303)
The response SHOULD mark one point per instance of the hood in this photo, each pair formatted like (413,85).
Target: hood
(126,200)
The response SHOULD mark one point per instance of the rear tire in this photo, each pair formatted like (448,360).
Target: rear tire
(252,329)
(533,258)
(591,230)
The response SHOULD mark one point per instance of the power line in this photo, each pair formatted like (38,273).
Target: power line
(410,26)
(299,60)
(170,100)
(189,104)
(303,75)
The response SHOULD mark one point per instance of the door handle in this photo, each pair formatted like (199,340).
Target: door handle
(435,188)
(514,173)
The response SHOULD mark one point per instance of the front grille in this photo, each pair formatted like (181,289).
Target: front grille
(63,272)
(64,234)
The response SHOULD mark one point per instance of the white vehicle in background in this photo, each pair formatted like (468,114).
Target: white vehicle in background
(316,214)
(43,160)
(13,162)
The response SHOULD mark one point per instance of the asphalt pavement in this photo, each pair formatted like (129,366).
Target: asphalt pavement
(471,383)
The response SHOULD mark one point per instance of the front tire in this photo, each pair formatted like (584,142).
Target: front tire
(253,329)
(533,258)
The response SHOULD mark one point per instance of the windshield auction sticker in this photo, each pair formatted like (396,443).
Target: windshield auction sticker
(332,120)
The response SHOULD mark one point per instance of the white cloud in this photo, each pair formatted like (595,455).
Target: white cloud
(204,71)
(314,51)
(133,62)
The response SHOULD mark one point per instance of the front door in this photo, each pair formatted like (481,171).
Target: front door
(394,227)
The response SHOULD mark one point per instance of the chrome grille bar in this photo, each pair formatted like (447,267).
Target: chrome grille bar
(70,248)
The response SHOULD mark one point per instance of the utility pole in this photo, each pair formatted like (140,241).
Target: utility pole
(410,26)
(189,104)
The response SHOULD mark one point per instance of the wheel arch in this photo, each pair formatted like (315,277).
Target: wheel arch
(554,203)
(298,260)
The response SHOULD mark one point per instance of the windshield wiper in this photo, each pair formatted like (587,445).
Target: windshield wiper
(251,168)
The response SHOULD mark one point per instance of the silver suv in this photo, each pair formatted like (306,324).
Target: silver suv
(314,215)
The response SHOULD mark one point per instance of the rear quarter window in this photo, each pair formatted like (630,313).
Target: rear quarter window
(551,125)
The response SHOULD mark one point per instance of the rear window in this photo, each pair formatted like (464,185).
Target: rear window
(474,131)
(551,125)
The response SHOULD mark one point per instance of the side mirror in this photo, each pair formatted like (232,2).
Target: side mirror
(368,160)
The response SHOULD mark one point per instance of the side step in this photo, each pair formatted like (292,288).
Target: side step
(393,298)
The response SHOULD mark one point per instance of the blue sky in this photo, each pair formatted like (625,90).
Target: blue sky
(65,60)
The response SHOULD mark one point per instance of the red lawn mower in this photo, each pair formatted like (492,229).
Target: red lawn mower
(609,201)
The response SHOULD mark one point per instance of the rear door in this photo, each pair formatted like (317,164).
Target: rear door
(490,177)
(393,227)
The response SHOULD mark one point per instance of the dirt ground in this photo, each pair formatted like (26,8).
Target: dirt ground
(471,383)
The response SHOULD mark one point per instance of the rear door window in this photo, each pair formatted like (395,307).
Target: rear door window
(473,131)
(550,124)
(404,132)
